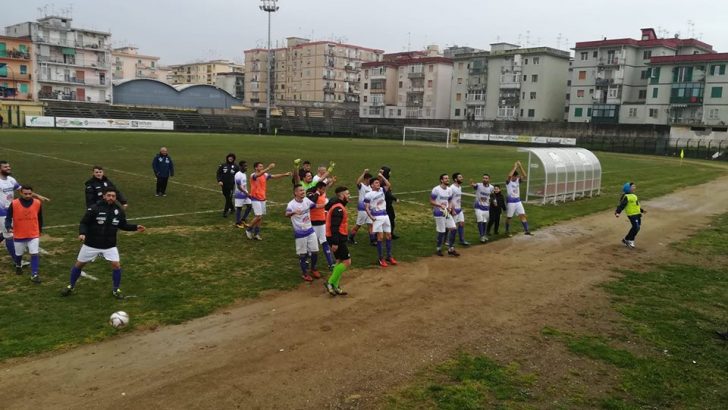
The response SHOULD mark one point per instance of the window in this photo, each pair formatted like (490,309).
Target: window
(460,65)
(584,55)
(525,78)
(716,92)
(457,112)
(582,75)
(653,113)
(24,88)
(578,112)
(4,71)
(580,93)
(568,97)
(591,91)
(399,112)
(431,68)
(531,113)
(588,112)
(460,80)
(525,61)
(643,75)
(429,83)
(566,110)
(647,54)
(23,69)
(3,52)
(523,95)
(654,92)
(682,74)
(532,95)
(365,98)
(713,114)
(595,54)
(400,84)
(655,75)
(632,112)
(458,97)
(536,60)
(534,78)
(521,112)
(642,94)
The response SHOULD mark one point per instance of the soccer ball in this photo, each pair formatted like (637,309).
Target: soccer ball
(119,319)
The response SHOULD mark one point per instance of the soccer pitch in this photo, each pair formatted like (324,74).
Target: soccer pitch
(192,261)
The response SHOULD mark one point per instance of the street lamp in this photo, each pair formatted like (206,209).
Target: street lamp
(268,6)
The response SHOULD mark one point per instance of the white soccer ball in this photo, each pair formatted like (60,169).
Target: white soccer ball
(119,319)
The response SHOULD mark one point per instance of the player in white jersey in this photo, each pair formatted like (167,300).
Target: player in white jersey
(299,210)
(376,208)
(457,206)
(483,191)
(8,186)
(514,206)
(362,183)
(240,195)
(442,209)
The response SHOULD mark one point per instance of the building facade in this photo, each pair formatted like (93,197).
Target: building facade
(469,83)
(16,67)
(415,85)
(307,72)
(68,63)
(129,64)
(202,72)
(233,83)
(612,79)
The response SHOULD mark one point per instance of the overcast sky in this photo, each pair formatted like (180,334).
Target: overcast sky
(181,31)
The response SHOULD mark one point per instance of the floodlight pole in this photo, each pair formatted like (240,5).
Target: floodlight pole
(268,6)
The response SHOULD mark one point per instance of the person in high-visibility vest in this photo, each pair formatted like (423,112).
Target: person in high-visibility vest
(337,234)
(630,204)
(25,222)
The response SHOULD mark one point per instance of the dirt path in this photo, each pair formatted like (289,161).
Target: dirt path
(303,349)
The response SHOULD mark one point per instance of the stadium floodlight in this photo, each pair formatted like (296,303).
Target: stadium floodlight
(268,6)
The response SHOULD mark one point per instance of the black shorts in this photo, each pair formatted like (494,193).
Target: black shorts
(342,251)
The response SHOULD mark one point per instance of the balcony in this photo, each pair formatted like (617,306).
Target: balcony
(605,113)
(15,55)
(378,73)
(378,90)
(329,89)
(416,74)
(687,93)
(604,82)
(99,65)
(349,67)
(377,103)
(13,76)
(473,102)
(609,61)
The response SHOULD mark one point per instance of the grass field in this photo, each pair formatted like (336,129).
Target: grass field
(191,261)
(668,314)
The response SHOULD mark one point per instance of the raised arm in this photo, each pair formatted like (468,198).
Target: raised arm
(361,177)
(513,170)
(523,171)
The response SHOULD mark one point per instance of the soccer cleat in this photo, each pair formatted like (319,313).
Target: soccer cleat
(117,294)
(331,267)
(257,237)
(307,277)
(391,260)
(630,244)
(18,270)
(352,240)
(465,243)
(510,235)
(35,278)
(340,292)
(528,233)
(453,252)
(439,253)
(625,242)
(24,263)
(240,225)
(249,234)
(157,194)
(316,274)
(330,288)
(383,263)
(67,291)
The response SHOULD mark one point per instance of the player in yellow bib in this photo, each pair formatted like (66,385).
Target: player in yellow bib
(630,204)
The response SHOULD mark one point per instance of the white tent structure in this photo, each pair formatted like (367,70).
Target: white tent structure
(562,174)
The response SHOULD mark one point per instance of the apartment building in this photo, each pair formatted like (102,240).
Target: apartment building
(612,78)
(202,72)
(414,85)
(129,64)
(69,63)
(526,84)
(307,71)
(233,83)
(16,67)
(469,83)
(687,89)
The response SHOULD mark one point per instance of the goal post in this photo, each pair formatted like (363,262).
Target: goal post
(428,134)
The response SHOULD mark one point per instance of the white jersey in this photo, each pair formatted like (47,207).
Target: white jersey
(363,191)
(241,180)
(301,222)
(377,205)
(513,191)
(442,197)
(457,198)
(8,186)
(482,196)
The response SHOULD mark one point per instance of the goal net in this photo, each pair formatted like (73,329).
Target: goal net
(428,135)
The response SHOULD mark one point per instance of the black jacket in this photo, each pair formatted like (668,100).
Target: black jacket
(497,202)
(95,190)
(226,174)
(100,223)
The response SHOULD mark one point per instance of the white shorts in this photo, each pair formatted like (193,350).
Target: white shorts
(258,208)
(443,223)
(381,224)
(481,215)
(88,254)
(363,219)
(5,233)
(320,232)
(32,246)
(306,244)
(239,203)
(459,217)
(514,208)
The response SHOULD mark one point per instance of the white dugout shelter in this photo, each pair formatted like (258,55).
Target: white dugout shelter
(562,174)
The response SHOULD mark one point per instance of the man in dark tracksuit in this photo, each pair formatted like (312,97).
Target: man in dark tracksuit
(95,188)
(390,199)
(97,231)
(163,169)
(226,179)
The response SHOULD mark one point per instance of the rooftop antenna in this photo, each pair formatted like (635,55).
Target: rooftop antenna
(558,40)
(691,29)
(528,38)
(518,42)
(409,41)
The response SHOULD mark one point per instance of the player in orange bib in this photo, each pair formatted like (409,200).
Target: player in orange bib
(25,222)
(258,190)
